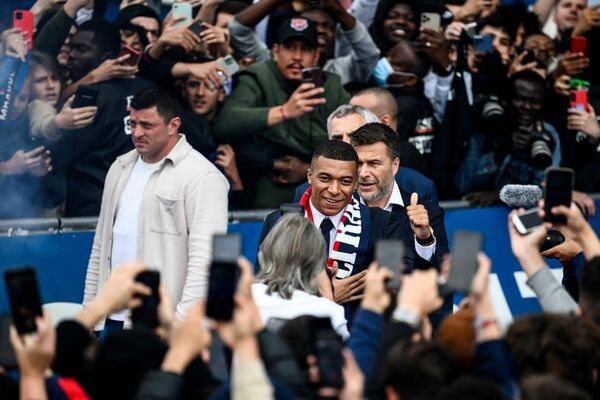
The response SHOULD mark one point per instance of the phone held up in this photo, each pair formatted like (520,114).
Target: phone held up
(558,190)
(24,297)
(224,275)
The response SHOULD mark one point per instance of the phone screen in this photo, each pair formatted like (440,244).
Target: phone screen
(85,97)
(530,219)
(223,276)
(390,253)
(484,44)
(558,191)
(465,246)
(24,297)
(328,350)
(146,315)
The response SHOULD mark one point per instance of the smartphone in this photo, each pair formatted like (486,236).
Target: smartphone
(328,350)
(527,221)
(313,75)
(579,44)
(146,315)
(390,253)
(222,281)
(24,298)
(182,10)
(431,21)
(134,55)
(579,100)
(484,43)
(292,208)
(558,190)
(7,353)
(326,345)
(229,65)
(197,27)
(85,97)
(465,247)
(529,58)
(553,239)
(23,20)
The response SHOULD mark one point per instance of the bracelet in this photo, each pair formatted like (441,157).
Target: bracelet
(282,113)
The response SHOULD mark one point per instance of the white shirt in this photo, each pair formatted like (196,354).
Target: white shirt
(425,252)
(335,220)
(125,228)
(301,303)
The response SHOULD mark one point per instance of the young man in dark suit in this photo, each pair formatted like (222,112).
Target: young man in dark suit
(349,227)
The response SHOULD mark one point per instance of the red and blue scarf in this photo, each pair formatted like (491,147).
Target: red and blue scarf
(351,239)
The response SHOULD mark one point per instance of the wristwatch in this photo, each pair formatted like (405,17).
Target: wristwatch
(428,241)
(408,317)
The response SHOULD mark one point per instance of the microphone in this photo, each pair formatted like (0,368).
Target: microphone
(526,196)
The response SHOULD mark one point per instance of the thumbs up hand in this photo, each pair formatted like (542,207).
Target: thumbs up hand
(418,217)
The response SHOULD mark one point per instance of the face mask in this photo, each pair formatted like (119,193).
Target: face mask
(383,69)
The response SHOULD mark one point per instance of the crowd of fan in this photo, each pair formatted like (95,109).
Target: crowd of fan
(473,113)
(481,102)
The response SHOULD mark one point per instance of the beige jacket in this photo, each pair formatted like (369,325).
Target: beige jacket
(183,205)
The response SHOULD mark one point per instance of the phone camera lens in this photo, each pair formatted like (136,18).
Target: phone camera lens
(19,15)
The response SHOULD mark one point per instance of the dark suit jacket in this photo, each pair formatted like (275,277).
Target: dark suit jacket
(436,221)
(384,225)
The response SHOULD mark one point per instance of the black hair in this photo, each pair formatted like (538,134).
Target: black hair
(502,21)
(335,150)
(418,64)
(589,290)
(377,30)
(106,35)
(469,387)
(165,102)
(376,132)
(419,371)
(548,387)
(231,7)
(527,75)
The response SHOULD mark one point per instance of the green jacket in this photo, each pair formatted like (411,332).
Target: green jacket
(262,86)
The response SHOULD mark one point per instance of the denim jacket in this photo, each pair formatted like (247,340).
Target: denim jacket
(480,172)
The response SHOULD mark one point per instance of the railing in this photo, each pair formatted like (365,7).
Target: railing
(23,227)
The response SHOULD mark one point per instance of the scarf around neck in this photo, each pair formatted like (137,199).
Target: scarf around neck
(351,237)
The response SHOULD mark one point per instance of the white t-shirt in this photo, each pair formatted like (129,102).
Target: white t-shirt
(301,303)
(125,228)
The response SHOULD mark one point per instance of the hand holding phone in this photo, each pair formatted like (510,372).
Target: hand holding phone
(223,278)
(389,253)
(558,190)
(24,297)
(85,97)
(466,245)
(146,315)
(134,55)
(23,20)
(527,221)
(327,346)
(432,21)
(579,44)
(183,12)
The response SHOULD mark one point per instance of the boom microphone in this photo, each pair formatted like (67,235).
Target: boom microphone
(516,196)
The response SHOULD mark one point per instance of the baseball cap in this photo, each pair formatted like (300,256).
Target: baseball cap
(297,27)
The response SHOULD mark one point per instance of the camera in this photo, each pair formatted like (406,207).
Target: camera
(541,146)
(492,109)
(19,15)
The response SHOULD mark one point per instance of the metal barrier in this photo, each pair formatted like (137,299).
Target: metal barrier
(23,227)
